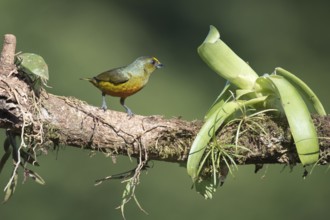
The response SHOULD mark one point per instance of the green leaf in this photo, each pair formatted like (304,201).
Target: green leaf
(35,176)
(6,155)
(223,97)
(304,89)
(210,126)
(29,158)
(299,118)
(220,58)
(34,66)
(11,189)
(206,188)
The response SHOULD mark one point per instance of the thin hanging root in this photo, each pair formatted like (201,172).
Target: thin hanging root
(28,120)
(18,162)
(131,178)
(132,183)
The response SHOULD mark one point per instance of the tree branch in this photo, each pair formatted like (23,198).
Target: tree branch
(50,120)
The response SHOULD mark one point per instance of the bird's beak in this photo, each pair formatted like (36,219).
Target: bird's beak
(159,65)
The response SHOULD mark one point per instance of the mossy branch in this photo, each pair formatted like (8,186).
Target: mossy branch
(51,120)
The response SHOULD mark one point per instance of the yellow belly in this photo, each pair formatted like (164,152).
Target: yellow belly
(122,90)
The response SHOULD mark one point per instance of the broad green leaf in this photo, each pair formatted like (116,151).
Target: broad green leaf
(305,90)
(220,58)
(35,67)
(299,119)
(33,64)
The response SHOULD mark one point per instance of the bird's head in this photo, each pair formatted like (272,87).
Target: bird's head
(148,63)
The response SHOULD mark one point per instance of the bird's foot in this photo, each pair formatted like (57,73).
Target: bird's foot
(104,107)
(130,114)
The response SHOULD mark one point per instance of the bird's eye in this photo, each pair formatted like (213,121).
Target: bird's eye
(153,61)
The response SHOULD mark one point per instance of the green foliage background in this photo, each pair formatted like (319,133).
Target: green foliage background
(82,38)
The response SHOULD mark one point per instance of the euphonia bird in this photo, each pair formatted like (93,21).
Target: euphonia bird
(125,81)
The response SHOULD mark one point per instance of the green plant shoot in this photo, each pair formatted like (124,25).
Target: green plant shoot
(282,91)
(35,67)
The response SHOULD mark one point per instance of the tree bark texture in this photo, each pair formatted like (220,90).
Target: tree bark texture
(50,120)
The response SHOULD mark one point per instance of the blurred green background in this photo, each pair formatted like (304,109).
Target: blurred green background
(83,38)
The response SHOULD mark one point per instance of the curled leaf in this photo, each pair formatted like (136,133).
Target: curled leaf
(220,58)
(306,91)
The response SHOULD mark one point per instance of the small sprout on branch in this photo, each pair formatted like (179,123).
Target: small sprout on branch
(35,67)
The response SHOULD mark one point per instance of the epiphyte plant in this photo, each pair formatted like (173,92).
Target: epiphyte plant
(35,67)
(281,90)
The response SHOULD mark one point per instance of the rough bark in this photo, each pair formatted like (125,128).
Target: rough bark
(50,120)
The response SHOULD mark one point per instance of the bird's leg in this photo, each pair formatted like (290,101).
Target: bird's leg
(128,110)
(104,104)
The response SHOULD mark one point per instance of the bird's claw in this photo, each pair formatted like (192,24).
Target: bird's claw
(104,107)
(130,114)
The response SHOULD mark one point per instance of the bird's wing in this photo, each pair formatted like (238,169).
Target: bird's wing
(115,76)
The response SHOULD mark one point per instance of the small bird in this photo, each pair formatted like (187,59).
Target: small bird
(125,81)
